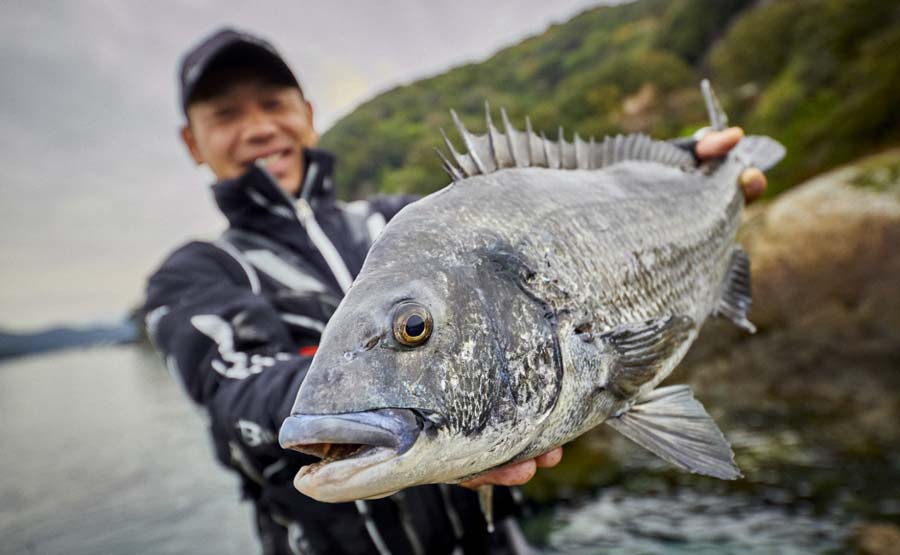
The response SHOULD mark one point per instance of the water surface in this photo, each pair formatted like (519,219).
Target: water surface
(103,454)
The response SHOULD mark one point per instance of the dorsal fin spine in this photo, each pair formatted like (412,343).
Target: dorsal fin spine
(463,161)
(590,152)
(467,140)
(455,174)
(497,150)
(510,138)
(545,148)
(529,132)
(560,152)
(492,135)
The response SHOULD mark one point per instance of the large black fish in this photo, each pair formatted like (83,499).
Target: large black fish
(551,287)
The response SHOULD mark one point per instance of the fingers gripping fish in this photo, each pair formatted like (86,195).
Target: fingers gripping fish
(549,288)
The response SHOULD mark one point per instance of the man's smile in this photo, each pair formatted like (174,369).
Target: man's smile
(277,162)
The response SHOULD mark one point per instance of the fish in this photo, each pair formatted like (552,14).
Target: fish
(549,288)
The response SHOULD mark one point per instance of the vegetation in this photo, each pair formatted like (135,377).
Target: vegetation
(822,76)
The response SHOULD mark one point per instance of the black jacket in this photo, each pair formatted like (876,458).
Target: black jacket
(233,319)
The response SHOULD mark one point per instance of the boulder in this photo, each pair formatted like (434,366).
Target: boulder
(878,539)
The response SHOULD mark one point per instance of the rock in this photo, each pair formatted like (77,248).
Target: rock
(878,539)
(639,113)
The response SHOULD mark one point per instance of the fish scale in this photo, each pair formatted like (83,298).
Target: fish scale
(599,235)
(563,282)
(605,235)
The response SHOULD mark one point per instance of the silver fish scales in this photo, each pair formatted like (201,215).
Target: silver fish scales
(551,287)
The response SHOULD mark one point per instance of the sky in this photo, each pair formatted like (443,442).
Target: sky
(95,187)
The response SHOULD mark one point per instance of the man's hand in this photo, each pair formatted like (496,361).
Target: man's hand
(716,144)
(516,474)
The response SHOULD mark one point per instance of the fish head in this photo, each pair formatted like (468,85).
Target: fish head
(431,370)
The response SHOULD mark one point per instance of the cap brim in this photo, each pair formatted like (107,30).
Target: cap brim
(235,53)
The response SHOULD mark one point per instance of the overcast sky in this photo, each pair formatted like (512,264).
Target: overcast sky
(94,186)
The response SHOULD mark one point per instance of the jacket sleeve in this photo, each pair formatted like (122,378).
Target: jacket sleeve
(226,344)
(388,206)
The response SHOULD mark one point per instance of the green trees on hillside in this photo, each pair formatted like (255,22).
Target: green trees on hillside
(820,75)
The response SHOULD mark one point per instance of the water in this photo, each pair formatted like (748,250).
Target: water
(620,522)
(103,454)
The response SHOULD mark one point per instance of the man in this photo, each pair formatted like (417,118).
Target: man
(238,319)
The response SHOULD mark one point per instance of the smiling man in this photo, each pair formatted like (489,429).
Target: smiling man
(237,117)
(238,319)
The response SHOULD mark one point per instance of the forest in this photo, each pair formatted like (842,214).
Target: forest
(821,76)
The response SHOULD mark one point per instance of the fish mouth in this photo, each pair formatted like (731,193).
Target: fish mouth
(361,439)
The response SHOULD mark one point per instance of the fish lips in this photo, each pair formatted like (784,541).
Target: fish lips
(394,429)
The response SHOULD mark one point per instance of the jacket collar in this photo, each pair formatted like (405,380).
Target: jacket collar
(255,200)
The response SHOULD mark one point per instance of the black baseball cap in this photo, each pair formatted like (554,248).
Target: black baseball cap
(230,48)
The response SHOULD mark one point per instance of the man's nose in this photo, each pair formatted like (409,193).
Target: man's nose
(258,127)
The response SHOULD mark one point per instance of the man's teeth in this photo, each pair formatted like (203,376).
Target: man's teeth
(268,159)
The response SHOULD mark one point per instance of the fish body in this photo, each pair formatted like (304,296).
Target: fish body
(519,307)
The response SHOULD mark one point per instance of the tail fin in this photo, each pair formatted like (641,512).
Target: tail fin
(755,150)
(759,151)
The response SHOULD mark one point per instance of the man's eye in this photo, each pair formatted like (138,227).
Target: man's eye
(224,114)
(272,103)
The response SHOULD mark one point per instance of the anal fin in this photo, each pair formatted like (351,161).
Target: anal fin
(737,297)
(673,425)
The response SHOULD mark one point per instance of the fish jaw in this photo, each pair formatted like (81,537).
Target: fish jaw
(357,449)
(437,455)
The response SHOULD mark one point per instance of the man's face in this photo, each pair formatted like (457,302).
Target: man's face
(252,120)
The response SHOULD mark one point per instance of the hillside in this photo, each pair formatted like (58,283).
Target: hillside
(820,75)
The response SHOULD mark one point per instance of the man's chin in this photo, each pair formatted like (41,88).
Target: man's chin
(289,185)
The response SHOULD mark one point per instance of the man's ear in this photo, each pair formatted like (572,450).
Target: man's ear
(190,142)
(313,138)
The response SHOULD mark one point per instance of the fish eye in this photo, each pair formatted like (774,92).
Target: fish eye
(412,324)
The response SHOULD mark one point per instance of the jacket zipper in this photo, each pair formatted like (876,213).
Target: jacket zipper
(327,249)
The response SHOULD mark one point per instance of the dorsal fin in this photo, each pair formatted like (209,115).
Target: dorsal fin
(496,150)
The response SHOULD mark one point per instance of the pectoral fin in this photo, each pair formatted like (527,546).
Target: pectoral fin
(673,425)
(643,349)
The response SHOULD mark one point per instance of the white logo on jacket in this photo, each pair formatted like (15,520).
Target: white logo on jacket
(233,364)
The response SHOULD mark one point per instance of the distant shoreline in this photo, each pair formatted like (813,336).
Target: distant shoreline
(56,338)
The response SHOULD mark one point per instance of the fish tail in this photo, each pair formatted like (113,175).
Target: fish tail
(754,150)
(759,151)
